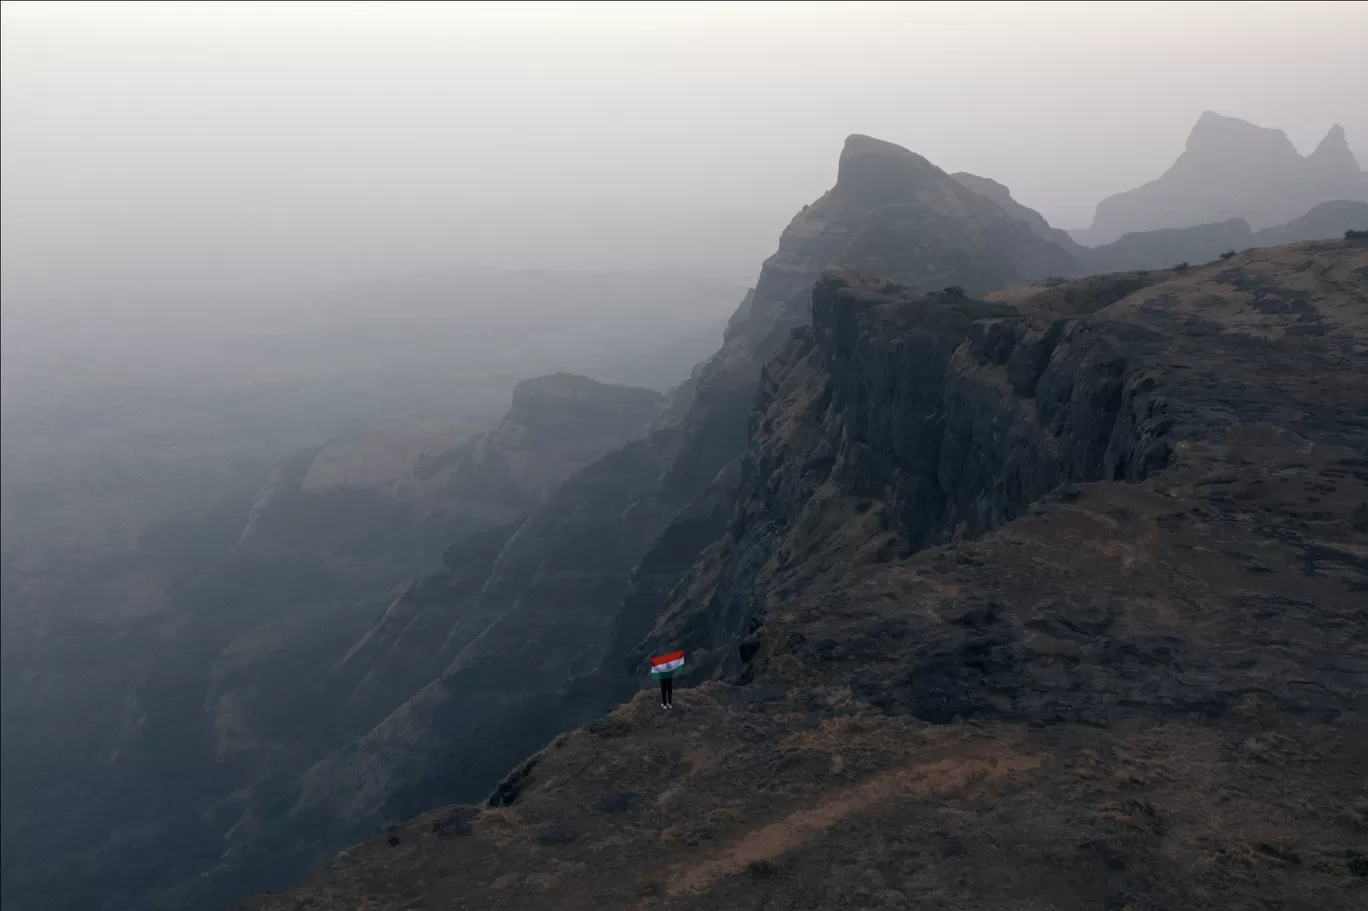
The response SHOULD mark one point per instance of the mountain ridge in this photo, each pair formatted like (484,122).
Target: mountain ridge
(654,510)
(1041,604)
(1230,168)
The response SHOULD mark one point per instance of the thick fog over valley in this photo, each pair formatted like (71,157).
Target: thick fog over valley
(956,407)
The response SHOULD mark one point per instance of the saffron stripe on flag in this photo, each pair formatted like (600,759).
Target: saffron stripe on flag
(671,658)
(667,665)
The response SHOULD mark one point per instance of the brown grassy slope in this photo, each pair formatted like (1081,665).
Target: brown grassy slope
(1163,687)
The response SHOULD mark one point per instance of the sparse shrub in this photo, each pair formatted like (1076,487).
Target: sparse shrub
(763,867)
(1068,492)
(1351,234)
(1228,254)
(1143,807)
(1278,852)
(1182,267)
(609,726)
(954,291)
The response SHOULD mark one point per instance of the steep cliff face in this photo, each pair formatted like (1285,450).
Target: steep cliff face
(952,413)
(1233,169)
(897,423)
(1053,598)
(891,214)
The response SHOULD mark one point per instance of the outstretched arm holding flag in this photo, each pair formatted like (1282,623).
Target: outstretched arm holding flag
(663,669)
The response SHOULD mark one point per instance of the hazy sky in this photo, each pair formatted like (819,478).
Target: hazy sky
(206,141)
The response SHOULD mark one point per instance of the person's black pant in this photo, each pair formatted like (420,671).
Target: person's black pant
(666,691)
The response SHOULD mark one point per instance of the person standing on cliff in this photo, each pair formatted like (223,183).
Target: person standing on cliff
(663,669)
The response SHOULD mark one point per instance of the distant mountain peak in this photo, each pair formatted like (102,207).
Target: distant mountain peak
(1229,169)
(1333,155)
(859,144)
(1219,136)
(558,391)
(563,383)
(882,170)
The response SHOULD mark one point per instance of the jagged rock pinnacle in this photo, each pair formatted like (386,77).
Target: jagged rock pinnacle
(1332,156)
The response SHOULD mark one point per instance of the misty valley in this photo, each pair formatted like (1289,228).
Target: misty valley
(996,564)
(173,547)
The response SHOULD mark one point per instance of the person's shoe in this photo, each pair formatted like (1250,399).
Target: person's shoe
(664,706)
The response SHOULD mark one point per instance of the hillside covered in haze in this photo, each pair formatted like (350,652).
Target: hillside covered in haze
(1233,169)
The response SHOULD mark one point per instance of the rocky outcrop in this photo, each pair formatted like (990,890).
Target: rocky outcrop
(953,413)
(1232,169)
(892,214)
(954,420)
(1049,597)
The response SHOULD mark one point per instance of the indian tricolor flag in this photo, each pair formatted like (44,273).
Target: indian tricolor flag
(667,665)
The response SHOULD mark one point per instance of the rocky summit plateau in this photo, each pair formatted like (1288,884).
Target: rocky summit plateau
(1054,597)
